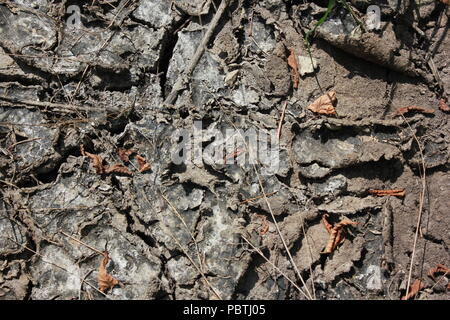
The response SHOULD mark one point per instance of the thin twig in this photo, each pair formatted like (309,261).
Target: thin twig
(309,296)
(256,198)
(55,265)
(50,208)
(9,184)
(81,242)
(62,107)
(199,267)
(311,256)
(442,277)
(280,124)
(20,142)
(179,84)
(281,235)
(195,266)
(422,199)
(274,266)
(83,280)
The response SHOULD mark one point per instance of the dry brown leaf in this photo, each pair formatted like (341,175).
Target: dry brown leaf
(265,225)
(328,225)
(443,106)
(124,154)
(346,222)
(118,168)
(337,235)
(143,165)
(100,168)
(440,268)
(392,192)
(332,241)
(292,62)
(445,1)
(105,281)
(97,160)
(414,289)
(324,104)
(404,110)
(258,197)
(82,150)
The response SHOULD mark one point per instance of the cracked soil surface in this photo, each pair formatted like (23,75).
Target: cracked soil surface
(200,230)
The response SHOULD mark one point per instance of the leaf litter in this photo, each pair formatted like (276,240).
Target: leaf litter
(105,281)
(324,104)
(337,233)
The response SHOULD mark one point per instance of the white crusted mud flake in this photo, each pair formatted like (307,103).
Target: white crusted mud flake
(340,153)
(306,66)
(52,281)
(154,12)
(40,145)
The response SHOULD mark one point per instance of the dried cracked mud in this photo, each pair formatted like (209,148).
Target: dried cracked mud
(128,74)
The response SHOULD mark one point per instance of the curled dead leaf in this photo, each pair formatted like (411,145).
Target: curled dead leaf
(124,154)
(96,159)
(105,281)
(337,235)
(440,268)
(324,104)
(327,225)
(292,62)
(443,106)
(265,225)
(391,192)
(100,168)
(143,165)
(414,289)
(118,168)
(404,110)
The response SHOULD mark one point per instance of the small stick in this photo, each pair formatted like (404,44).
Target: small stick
(9,184)
(280,124)
(81,242)
(250,21)
(199,267)
(256,198)
(54,264)
(178,86)
(274,266)
(43,104)
(20,142)
(421,202)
